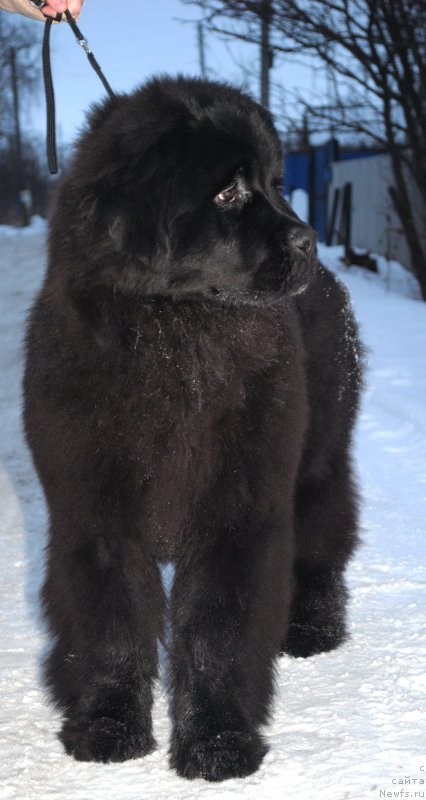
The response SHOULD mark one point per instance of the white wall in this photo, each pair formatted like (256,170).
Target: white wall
(299,201)
(374,222)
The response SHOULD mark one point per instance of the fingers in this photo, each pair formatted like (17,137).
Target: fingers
(54,7)
(48,11)
(74,7)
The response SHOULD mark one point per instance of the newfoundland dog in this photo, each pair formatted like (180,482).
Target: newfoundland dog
(192,379)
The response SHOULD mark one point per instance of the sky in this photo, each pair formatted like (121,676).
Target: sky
(152,38)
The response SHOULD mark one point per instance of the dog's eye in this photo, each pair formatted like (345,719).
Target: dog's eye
(229,195)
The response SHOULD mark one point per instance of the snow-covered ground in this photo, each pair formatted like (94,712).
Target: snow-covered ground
(348,724)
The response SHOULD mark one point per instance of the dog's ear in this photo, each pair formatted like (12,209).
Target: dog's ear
(128,138)
(121,178)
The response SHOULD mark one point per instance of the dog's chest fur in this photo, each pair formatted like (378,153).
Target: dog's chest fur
(172,396)
(187,400)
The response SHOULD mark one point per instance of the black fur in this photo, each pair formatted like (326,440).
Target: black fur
(185,401)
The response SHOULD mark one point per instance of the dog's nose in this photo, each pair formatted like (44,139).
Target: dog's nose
(303,239)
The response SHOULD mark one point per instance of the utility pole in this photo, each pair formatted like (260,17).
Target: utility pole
(305,134)
(18,145)
(266,55)
(201,50)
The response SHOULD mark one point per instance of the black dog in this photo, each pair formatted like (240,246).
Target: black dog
(187,401)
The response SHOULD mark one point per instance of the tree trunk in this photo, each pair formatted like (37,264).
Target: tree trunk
(403,208)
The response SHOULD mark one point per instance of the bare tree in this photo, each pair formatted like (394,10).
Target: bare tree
(375,53)
(19,79)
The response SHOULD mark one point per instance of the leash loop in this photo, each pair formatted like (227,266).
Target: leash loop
(48,82)
(52,159)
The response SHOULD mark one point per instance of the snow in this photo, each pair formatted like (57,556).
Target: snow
(347,724)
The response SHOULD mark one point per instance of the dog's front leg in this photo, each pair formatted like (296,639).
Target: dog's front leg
(230,606)
(102,599)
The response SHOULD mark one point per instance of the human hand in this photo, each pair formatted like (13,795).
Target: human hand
(54,7)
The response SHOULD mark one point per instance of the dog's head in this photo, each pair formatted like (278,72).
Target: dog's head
(176,191)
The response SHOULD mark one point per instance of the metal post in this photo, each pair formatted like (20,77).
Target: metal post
(265,52)
(18,145)
(201,50)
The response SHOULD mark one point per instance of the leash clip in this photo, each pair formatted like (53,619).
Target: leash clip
(85,45)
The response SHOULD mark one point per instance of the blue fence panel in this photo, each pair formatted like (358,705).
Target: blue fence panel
(296,172)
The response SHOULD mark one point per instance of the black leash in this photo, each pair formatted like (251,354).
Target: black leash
(50,100)
(84,44)
(48,83)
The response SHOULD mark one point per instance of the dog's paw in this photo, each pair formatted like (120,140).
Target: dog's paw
(307,640)
(229,754)
(105,739)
